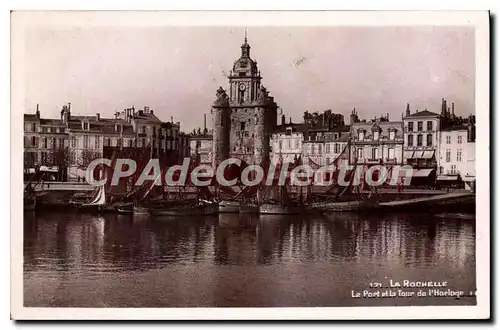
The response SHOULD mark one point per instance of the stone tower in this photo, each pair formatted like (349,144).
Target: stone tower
(221,128)
(252,113)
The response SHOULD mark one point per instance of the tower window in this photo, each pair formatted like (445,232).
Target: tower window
(243,64)
(242,74)
(242,126)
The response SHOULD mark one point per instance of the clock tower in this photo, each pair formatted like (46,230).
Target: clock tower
(244,79)
(250,117)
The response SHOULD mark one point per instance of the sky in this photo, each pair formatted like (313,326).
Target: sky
(177,70)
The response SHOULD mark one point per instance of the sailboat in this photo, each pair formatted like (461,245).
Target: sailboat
(97,201)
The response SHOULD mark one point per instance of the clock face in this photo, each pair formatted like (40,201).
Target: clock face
(242,87)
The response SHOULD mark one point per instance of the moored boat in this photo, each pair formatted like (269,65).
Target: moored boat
(198,209)
(226,206)
(249,208)
(276,208)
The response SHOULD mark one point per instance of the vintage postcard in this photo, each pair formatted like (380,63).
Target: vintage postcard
(250,165)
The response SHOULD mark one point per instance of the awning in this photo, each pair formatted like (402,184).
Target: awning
(408,154)
(428,154)
(469,178)
(54,169)
(447,178)
(418,154)
(422,173)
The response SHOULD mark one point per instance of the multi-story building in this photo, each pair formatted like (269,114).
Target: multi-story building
(243,118)
(286,142)
(421,138)
(322,145)
(457,154)
(201,147)
(72,142)
(377,142)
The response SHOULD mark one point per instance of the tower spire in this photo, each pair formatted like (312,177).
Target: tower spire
(245,48)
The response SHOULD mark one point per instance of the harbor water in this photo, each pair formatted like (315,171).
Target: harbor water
(231,260)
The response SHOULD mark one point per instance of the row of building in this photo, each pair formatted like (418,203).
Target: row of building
(72,142)
(440,142)
(245,125)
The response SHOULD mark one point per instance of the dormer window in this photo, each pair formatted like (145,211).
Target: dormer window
(361,135)
(376,135)
(85,126)
(392,133)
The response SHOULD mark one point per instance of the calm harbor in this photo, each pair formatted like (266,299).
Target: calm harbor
(242,260)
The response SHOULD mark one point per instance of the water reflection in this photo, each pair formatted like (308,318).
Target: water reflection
(222,253)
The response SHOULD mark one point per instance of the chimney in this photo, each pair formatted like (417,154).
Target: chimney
(146,109)
(407,109)
(290,120)
(98,116)
(151,111)
(204,122)
(387,116)
(453,109)
(283,121)
(443,108)
(37,111)
(172,119)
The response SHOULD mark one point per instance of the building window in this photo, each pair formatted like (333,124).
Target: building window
(45,143)
(319,149)
(361,136)
(289,144)
(375,135)
(374,153)
(360,153)
(459,155)
(410,140)
(73,142)
(410,126)
(61,143)
(242,126)
(448,155)
(297,144)
(429,125)
(453,169)
(337,145)
(391,153)
(441,169)
(459,139)
(429,140)
(420,126)
(97,142)
(392,135)
(33,141)
(85,141)
(448,139)
(419,140)
(327,161)
(312,149)
(327,148)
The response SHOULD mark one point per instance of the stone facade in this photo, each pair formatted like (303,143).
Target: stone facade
(243,120)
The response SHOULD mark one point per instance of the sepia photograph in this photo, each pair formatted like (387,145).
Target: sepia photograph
(258,165)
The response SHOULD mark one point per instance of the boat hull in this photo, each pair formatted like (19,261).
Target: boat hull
(249,208)
(198,210)
(229,207)
(279,209)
